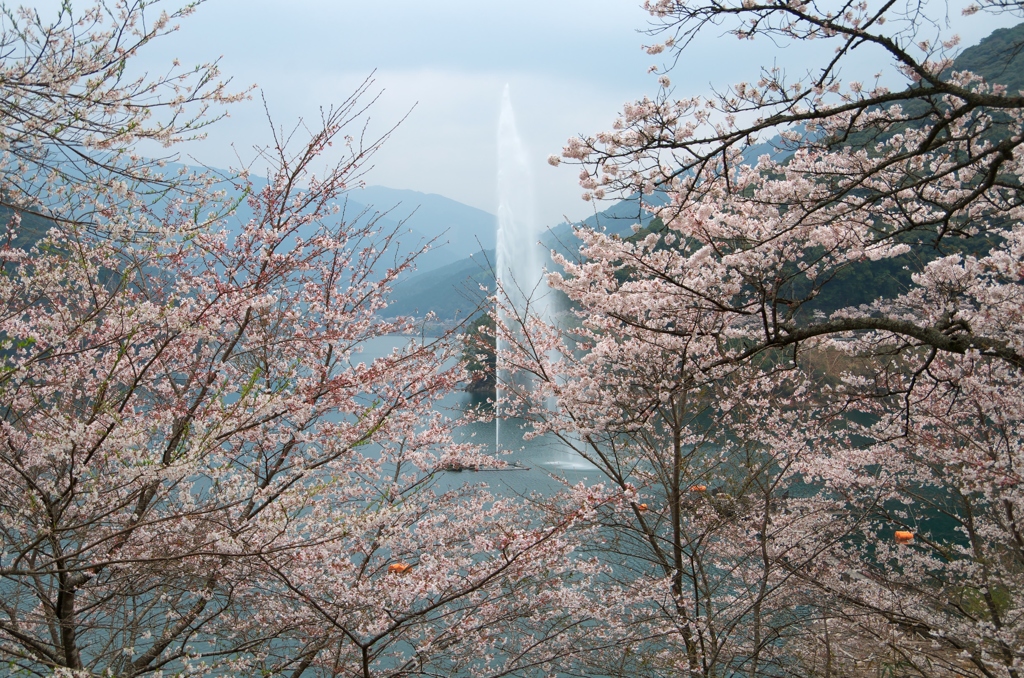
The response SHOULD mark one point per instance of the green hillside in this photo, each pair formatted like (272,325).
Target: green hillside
(999,58)
(32,228)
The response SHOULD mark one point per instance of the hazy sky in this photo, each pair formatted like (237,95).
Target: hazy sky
(570,65)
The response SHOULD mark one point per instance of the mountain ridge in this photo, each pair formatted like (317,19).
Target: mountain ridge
(999,58)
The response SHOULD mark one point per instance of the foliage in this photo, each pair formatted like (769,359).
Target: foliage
(998,58)
(73,110)
(203,472)
(767,488)
(478,353)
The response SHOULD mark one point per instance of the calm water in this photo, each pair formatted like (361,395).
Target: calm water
(545,460)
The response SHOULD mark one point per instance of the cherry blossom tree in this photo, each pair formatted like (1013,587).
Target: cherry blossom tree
(217,458)
(706,542)
(75,106)
(864,446)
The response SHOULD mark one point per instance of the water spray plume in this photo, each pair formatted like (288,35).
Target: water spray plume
(519,256)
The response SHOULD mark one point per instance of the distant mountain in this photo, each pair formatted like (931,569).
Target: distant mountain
(452,292)
(453,230)
(460,230)
(619,218)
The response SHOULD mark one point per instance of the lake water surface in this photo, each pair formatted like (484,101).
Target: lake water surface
(546,461)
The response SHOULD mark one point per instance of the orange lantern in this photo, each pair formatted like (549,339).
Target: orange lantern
(904,537)
(399,568)
(698,488)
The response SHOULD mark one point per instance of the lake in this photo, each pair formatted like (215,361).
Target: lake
(543,459)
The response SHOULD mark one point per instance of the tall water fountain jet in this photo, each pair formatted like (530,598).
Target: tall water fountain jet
(520,258)
(520,255)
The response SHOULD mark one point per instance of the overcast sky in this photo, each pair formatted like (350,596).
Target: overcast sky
(570,65)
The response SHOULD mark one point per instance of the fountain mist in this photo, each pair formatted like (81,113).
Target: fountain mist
(520,259)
